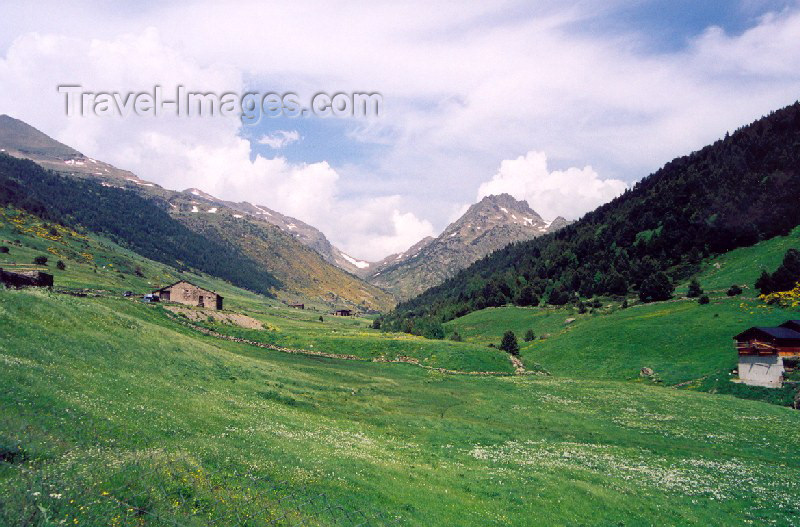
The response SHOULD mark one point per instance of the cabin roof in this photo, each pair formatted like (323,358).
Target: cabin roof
(791,324)
(779,333)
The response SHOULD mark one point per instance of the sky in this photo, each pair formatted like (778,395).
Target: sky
(563,104)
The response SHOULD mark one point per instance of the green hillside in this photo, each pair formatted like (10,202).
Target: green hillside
(680,340)
(99,266)
(114,414)
(734,193)
(142,225)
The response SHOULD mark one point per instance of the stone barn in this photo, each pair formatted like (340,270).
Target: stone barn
(766,353)
(184,292)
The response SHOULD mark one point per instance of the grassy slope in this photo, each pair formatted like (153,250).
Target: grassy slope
(99,392)
(353,336)
(96,263)
(681,340)
(743,266)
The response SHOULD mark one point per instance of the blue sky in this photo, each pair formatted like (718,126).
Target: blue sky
(559,103)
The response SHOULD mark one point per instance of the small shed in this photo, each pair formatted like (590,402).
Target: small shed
(298,306)
(343,312)
(185,292)
(762,351)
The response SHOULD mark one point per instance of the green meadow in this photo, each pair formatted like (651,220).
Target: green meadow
(115,414)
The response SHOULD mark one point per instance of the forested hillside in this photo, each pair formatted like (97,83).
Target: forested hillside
(133,221)
(742,189)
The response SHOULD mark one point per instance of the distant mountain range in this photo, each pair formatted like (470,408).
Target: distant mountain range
(280,243)
(263,236)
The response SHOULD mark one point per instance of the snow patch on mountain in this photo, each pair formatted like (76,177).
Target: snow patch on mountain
(358,263)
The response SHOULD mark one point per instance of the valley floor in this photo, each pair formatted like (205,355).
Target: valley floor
(113,413)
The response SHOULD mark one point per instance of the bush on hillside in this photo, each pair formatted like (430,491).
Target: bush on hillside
(703,300)
(509,343)
(655,288)
(734,290)
(694,289)
(785,277)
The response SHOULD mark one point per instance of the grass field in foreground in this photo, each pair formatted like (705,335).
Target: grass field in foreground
(103,398)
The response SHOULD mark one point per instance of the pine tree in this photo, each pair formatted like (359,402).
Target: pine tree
(509,343)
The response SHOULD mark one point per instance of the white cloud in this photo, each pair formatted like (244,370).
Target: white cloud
(280,138)
(480,84)
(569,193)
(178,153)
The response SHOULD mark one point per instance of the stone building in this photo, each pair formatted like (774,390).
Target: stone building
(184,292)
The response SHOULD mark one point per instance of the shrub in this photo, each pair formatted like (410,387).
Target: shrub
(376,324)
(456,337)
(3,249)
(624,304)
(60,265)
(529,336)
(694,289)
(703,300)
(655,288)
(509,343)
(323,320)
(40,260)
(785,276)
(735,290)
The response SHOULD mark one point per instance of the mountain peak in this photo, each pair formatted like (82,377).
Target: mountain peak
(492,223)
(504,200)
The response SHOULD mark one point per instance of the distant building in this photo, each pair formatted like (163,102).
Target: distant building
(184,292)
(25,278)
(298,306)
(766,353)
(343,313)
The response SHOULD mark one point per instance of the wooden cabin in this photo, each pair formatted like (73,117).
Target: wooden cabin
(298,306)
(343,312)
(763,352)
(185,292)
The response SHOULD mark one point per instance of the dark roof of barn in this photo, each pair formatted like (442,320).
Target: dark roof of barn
(779,333)
(791,324)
